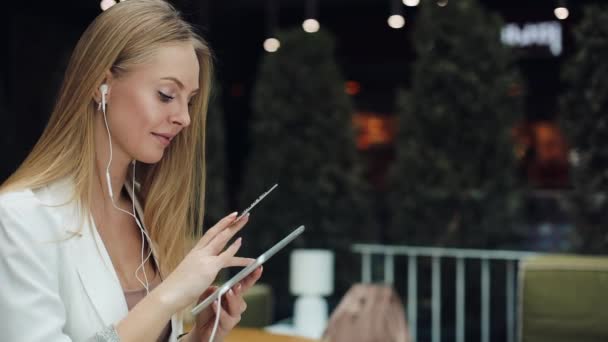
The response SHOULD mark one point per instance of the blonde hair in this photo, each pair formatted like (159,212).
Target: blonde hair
(172,190)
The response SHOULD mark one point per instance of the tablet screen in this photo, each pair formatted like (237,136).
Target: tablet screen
(247,270)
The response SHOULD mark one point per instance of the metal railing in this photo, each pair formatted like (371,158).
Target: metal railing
(436,255)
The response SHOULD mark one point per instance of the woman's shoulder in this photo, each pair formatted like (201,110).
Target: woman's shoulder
(34,211)
(52,194)
(17,200)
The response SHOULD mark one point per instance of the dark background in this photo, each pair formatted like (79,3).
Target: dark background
(39,35)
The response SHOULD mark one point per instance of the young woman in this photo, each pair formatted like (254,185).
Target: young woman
(95,224)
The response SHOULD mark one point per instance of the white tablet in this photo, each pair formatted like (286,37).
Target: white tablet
(247,270)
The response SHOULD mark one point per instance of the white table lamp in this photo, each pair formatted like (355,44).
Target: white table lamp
(311,277)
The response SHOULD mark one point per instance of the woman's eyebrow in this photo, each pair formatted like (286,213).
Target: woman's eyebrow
(178,82)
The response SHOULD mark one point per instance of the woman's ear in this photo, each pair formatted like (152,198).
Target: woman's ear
(107,81)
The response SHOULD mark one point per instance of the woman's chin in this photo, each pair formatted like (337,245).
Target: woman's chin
(151,158)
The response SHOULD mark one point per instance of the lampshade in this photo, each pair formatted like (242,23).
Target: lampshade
(311,272)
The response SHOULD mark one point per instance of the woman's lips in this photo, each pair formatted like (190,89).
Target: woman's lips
(165,140)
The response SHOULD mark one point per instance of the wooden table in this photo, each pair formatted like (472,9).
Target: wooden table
(257,335)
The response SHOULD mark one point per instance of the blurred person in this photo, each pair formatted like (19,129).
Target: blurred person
(95,223)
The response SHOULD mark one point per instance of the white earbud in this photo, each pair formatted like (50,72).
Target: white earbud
(104,91)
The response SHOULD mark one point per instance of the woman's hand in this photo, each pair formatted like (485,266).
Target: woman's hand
(233,305)
(201,265)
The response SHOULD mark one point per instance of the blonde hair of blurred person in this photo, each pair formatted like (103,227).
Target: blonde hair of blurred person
(170,179)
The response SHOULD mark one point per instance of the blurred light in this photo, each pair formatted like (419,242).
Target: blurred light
(105,4)
(396,21)
(352,88)
(561,13)
(574,157)
(311,25)
(442,3)
(411,3)
(374,129)
(271,44)
(546,34)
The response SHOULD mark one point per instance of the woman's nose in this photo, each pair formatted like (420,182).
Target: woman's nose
(182,118)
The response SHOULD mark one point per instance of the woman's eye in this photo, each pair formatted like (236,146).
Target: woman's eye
(164,97)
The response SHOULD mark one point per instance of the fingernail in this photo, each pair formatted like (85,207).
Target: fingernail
(231,292)
(238,287)
(239,240)
(233,214)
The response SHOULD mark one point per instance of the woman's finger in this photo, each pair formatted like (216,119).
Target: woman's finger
(216,229)
(249,281)
(217,244)
(227,321)
(205,315)
(238,262)
(234,304)
(229,260)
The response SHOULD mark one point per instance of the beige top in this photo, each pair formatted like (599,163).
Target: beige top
(134,296)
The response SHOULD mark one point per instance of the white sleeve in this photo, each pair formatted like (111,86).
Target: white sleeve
(31,308)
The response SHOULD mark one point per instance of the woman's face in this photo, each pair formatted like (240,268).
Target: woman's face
(149,105)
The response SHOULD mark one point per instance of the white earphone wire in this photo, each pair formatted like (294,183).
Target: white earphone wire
(143,232)
(217,319)
(145,284)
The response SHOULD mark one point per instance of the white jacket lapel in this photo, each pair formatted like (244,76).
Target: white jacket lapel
(93,263)
(98,276)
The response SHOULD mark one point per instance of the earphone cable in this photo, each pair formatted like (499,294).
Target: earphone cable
(108,180)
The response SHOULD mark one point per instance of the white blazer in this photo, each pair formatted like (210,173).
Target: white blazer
(54,289)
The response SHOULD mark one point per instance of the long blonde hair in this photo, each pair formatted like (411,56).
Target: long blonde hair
(172,191)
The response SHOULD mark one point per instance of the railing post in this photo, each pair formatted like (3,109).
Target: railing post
(460,299)
(436,299)
(412,295)
(510,302)
(366,267)
(389,268)
(485,299)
